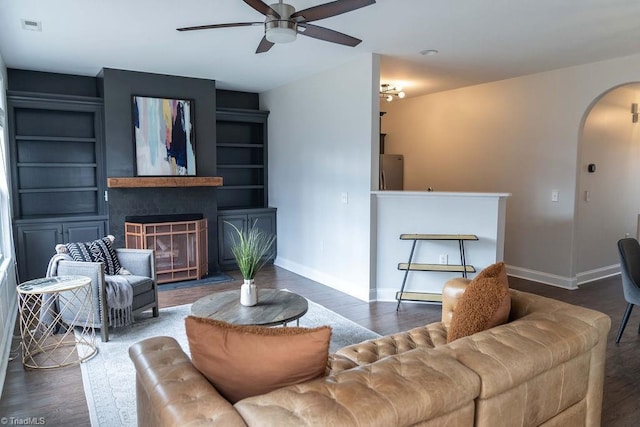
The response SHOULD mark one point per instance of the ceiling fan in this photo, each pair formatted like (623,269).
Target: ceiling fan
(282,23)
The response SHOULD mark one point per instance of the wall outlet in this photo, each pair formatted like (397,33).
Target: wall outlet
(444,259)
(344,198)
(555,195)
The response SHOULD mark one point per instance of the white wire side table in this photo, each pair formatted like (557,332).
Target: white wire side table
(48,341)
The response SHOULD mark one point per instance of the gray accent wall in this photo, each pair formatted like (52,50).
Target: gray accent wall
(117,88)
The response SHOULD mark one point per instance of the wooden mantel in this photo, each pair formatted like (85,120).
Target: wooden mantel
(165,181)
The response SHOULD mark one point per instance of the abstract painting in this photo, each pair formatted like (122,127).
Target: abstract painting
(163,136)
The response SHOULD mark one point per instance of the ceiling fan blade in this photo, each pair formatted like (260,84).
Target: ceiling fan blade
(331,9)
(327,35)
(207,27)
(262,7)
(264,45)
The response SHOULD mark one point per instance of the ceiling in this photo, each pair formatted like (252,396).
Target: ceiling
(478,40)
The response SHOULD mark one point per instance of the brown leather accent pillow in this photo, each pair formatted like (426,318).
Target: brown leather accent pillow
(245,361)
(485,303)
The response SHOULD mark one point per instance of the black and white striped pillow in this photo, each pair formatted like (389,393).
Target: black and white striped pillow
(100,250)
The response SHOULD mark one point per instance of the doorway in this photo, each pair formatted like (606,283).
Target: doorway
(608,194)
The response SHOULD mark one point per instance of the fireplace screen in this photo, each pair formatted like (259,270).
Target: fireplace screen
(180,247)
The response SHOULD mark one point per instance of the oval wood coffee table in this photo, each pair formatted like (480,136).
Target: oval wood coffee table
(274,308)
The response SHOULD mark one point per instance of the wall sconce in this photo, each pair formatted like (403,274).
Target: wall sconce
(634,112)
(388,91)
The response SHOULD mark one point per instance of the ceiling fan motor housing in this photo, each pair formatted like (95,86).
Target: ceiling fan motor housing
(283,29)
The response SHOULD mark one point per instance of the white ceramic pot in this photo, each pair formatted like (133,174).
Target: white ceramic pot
(248,293)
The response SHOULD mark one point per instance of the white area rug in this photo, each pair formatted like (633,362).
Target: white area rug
(109,377)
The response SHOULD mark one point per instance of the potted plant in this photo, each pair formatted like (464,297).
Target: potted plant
(251,249)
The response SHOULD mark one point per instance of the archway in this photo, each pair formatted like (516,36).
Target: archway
(608,193)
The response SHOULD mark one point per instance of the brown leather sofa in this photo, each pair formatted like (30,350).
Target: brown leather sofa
(545,367)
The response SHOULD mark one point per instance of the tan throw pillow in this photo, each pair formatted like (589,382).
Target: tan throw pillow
(485,303)
(245,361)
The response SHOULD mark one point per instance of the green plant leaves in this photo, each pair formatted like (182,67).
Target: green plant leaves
(251,249)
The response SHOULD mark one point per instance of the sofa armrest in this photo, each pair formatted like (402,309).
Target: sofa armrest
(170,391)
(94,271)
(451,292)
(538,366)
(140,262)
(524,304)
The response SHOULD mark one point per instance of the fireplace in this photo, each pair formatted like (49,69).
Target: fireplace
(179,242)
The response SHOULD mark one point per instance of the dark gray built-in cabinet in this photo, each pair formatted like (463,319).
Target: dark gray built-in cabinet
(57,153)
(263,219)
(241,150)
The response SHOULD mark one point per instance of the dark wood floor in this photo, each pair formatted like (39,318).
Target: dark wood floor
(58,396)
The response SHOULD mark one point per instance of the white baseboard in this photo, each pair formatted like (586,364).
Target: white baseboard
(541,277)
(571,283)
(354,289)
(598,273)
(389,294)
(386,294)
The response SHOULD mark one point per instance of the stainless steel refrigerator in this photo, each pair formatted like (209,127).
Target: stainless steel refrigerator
(391,171)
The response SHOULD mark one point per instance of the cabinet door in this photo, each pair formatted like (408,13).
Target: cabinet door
(225,238)
(83,231)
(267,223)
(36,246)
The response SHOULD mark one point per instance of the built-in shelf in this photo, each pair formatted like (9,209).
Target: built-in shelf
(239,145)
(242,187)
(245,166)
(169,181)
(56,190)
(53,138)
(241,148)
(56,165)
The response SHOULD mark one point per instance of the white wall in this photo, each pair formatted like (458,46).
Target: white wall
(8,299)
(611,141)
(320,147)
(517,136)
(434,212)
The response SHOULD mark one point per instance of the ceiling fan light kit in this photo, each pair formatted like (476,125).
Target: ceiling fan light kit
(282,23)
(281,29)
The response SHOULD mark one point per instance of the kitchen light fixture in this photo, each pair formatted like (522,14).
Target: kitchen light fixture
(388,91)
(634,112)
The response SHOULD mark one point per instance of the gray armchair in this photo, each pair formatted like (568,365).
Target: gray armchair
(629,251)
(141,264)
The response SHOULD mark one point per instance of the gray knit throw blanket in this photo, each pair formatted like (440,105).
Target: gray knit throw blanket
(119,299)
(118,288)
